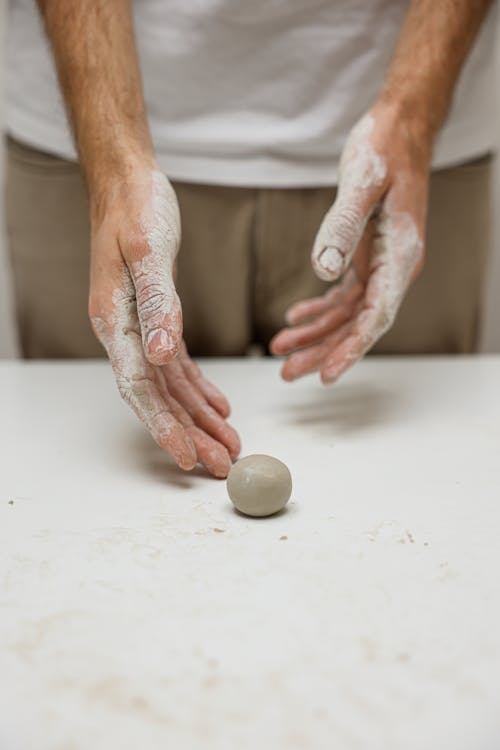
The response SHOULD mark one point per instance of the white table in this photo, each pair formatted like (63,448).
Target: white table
(138,610)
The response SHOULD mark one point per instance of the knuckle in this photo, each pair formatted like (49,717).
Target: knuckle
(164,231)
(347,222)
(124,388)
(132,389)
(151,300)
(342,227)
(137,245)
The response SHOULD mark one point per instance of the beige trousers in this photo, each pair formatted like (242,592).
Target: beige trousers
(244,259)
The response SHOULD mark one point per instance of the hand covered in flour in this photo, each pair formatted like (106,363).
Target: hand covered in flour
(370,244)
(136,314)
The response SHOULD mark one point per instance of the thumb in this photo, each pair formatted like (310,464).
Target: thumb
(158,307)
(151,266)
(362,182)
(341,231)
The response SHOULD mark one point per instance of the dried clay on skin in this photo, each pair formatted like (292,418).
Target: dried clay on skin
(398,249)
(120,332)
(157,301)
(361,169)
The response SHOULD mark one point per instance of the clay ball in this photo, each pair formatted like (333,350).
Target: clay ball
(259,485)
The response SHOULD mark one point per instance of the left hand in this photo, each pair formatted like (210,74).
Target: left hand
(370,243)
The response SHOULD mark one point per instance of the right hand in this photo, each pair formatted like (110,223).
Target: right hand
(136,315)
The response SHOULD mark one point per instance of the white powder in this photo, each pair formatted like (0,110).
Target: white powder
(398,250)
(397,246)
(144,304)
(361,167)
(157,301)
(361,170)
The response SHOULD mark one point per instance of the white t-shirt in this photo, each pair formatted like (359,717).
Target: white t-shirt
(259,93)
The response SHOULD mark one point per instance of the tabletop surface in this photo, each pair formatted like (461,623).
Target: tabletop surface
(139,610)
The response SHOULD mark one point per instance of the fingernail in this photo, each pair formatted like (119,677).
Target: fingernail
(186,457)
(159,341)
(327,378)
(331,261)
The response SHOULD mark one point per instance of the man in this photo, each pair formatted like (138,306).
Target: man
(247,108)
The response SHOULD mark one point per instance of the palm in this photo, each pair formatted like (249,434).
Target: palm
(331,332)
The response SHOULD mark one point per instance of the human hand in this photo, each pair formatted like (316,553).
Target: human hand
(136,314)
(370,243)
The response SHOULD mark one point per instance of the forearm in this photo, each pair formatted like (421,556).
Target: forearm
(434,42)
(96,58)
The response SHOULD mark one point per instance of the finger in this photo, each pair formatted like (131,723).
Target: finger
(212,394)
(308,308)
(366,331)
(158,309)
(291,339)
(361,186)
(204,415)
(135,379)
(211,454)
(398,251)
(311,333)
(311,359)
(340,233)
(145,400)
(150,261)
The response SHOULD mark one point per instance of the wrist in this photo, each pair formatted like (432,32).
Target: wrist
(113,180)
(406,123)
(419,112)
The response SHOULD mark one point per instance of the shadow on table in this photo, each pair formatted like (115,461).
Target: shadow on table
(145,456)
(343,408)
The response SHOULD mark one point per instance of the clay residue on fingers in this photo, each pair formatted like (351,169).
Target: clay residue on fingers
(361,166)
(361,170)
(397,254)
(158,305)
(135,376)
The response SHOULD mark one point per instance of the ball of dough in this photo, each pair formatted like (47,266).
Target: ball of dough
(259,485)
